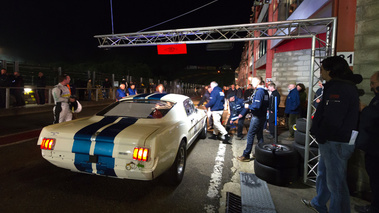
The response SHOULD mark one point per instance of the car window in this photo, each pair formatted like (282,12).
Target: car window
(188,106)
(138,109)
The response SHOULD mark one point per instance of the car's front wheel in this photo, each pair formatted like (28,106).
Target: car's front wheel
(177,169)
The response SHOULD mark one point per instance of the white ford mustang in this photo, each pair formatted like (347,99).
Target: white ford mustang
(139,137)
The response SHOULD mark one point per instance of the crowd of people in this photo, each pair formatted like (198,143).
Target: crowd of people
(338,125)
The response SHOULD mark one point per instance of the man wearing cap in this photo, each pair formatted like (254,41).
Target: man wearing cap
(334,126)
(216,103)
(292,108)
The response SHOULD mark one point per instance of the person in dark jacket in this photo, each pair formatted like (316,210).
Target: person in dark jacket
(368,141)
(4,82)
(258,108)
(206,97)
(216,103)
(18,92)
(334,125)
(249,91)
(292,108)
(271,119)
(41,84)
(303,100)
(236,107)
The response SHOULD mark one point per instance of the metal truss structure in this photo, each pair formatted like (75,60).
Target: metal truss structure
(294,29)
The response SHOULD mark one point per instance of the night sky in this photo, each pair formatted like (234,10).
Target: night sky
(42,30)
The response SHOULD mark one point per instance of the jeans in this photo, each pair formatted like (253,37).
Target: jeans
(331,178)
(256,128)
(291,121)
(240,125)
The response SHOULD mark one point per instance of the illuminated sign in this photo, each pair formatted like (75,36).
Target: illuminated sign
(172,49)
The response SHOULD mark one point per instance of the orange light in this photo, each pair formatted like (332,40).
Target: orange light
(48,143)
(140,154)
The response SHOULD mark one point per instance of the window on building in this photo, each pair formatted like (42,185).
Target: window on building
(287,7)
(263,43)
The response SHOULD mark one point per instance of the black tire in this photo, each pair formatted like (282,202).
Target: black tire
(177,169)
(301,124)
(313,152)
(203,133)
(276,155)
(281,177)
(300,139)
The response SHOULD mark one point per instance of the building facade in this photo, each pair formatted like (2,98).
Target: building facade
(284,61)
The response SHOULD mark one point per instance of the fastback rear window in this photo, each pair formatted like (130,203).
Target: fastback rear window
(138,109)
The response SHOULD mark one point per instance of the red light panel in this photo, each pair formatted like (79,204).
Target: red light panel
(140,154)
(48,143)
(172,49)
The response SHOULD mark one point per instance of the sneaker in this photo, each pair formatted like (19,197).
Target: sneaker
(309,205)
(214,137)
(226,139)
(240,137)
(243,159)
(270,136)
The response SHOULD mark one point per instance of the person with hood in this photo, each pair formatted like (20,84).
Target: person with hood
(334,126)
(216,103)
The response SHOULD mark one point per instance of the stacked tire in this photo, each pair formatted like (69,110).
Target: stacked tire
(277,164)
(299,143)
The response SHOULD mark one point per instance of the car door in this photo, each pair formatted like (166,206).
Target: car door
(192,119)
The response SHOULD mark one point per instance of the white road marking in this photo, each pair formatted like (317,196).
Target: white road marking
(216,176)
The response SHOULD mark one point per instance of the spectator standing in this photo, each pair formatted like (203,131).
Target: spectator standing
(89,89)
(232,91)
(160,89)
(236,108)
(120,92)
(271,120)
(249,92)
(41,84)
(4,82)
(303,100)
(292,108)
(258,108)
(318,95)
(239,93)
(334,125)
(206,98)
(18,92)
(132,89)
(61,95)
(216,104)
(107,87)
(368,140)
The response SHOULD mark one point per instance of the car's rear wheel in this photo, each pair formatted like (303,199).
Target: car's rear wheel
(177,169)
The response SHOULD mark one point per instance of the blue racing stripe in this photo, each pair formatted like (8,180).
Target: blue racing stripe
(105,144)
(141,96)
(82,143)
(157,96)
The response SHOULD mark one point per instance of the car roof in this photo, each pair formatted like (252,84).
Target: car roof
(157,96)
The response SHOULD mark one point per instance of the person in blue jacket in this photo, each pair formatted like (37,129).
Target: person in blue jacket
(334,126)
(258,108)
(292,108)
(216,103)
(132,89)
(120,92)
(236,106)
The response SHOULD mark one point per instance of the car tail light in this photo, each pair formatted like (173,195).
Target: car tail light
(48,143)
(140,154)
